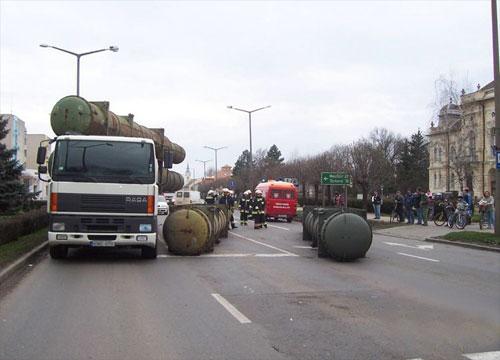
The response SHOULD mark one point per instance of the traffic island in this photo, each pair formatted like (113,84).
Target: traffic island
(470,239)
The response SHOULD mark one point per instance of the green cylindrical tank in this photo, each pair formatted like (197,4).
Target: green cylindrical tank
(187,231)
(311,223)
(171,181)
(346,236)
(73,114)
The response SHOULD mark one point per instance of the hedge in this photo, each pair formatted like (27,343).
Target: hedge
(21,224)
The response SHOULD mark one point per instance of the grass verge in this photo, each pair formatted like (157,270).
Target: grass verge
(13,250)
(473,237)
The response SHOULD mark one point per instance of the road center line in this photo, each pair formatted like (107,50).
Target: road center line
(492,355)
(228,255)
(419,247)
(418,257)
(263,244)
(231,309)
(278,227)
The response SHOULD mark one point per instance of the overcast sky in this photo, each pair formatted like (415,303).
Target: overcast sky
(331,70)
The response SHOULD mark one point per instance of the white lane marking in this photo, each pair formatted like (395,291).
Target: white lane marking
(278,227)
(418,257)
(303,247)
(232,310)
(163,256)
(416,359)
(492,355)
(420,247)
(264,244)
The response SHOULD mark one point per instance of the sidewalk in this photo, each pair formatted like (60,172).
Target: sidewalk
(419,232)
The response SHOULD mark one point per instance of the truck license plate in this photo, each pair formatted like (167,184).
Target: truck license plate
(102,243)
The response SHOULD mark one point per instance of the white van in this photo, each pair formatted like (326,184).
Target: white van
(183,197)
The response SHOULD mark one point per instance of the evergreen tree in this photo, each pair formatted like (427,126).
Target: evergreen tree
(242,164)
(404,168)
(419,160)
(12,191)
(273,157)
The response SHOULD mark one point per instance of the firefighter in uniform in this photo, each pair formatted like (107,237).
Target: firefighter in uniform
(228,200)
(245,207)
(210,198)
(259,207)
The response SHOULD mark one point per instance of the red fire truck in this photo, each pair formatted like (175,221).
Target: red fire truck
(281,199)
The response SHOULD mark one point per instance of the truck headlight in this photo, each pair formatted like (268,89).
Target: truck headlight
(58,226)
(145,228)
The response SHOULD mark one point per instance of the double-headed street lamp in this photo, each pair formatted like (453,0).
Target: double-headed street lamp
(249,112)
(215,151)
(78,56)
(204,167)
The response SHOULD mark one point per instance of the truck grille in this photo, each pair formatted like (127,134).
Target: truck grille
(99,203)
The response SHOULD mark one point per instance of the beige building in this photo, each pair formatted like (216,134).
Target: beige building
(461,144)
(16,138)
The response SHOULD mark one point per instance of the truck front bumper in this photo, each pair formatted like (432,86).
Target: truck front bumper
(101,239)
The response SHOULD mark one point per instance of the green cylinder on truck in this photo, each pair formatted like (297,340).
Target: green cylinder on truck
(75,115)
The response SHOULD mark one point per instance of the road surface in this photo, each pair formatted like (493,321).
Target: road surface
(263,294)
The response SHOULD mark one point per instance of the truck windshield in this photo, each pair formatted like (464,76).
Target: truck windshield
(104,161)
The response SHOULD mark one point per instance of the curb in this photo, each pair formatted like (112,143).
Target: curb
(463,244)
(5,273)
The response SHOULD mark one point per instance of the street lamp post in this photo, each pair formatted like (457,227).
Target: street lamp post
(215,151)
(249,112)
(78,56)
(204,167)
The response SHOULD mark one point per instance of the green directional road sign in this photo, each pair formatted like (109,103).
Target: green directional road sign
(335,178)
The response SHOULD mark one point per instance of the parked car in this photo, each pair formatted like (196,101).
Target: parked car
(162,205)
(170,198)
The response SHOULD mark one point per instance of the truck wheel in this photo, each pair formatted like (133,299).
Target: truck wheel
(148,252)
(58,251)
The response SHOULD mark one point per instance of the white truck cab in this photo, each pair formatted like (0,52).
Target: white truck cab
(103,193)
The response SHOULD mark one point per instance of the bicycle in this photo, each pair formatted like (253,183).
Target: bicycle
(483,218)
(394,216)
(459,218)
(443,212)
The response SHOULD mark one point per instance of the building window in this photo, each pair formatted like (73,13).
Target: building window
(435,180)
(440,183)
(452,180)
(440,153)
(453,153)
(435,154)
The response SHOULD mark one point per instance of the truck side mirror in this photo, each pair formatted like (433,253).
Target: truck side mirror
(42,169)
(41,155)
(168,159)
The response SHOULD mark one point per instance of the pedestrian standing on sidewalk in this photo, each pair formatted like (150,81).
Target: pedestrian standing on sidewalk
(424,207)
(409,202)
(376,202)
(489,203)
(399,203)
(417,196)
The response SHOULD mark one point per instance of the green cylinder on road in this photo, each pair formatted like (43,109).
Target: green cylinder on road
(346,236)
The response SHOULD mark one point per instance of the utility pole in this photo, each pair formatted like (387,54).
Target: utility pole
(204,167)
(249,112)
(496,78)
(215,151)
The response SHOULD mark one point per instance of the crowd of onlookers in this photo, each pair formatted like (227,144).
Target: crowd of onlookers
(419,207)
